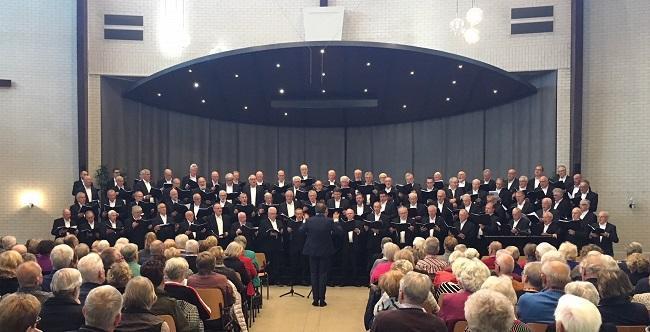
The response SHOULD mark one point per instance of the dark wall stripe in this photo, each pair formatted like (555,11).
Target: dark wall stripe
(123,34)
(123,20)
(533,27)
(5,83)
(577,66)
(82,84)
(530,12)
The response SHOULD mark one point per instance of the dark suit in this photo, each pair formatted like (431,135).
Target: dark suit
(59,222)
(272,246)
(88,235)
(445,212)
(319,247)
(343,204)
(390,210)
(523,226)
(113,234)
(259,194)
(592,197)
(526,209)
(224,239)
(93,191)
(140,186)
(187,183)
(282,209)
(553,228)
(606,243)
(514,186)
(470,230)
(491,185)
(167,232)
(564,209)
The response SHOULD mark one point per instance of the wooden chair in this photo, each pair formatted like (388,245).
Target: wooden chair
(262,274)
(630,328)
(213,297)
(170,321)
(537,327)
(460,326)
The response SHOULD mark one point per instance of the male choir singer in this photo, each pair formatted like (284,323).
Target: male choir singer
(319,246)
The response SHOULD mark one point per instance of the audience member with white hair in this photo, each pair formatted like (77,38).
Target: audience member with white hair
(92,272)
(139,297)
(583,289)
(470,278)
(539,307)
(570,252)
(553,255)
(532,278)
(130,254)
(410,316)
(514,252)
(388,251)
(63,311)
(102,310)
(62,256)
(575,314)
(543,248)
(489,311)
(176,271)
(8,242)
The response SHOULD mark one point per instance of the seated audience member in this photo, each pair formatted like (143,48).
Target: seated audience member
(431,263)
(251,255)
(382,257)
(139,297)
(532,278)
(539,307)
(81,250)
(553,256)
(489,260)
(630,248)
(130,254)
(176,269)
(110,256)
(19,312)
(504,265)
(145,253)
(529,252)
(8,242)
(29,281)
(20,248)
(44,249)
(447,281)
(63,311)
(410,316)
(593,263)
(570,252)
(92,274)
(389,286)
(615,306)
(119,275)
(449,244)
(518,270)
(9,261)
(543,248)
(583,289)
(575,314)
(62,256)
(165,304)
(638,267)
(242,265)
(470,279)
(489,311)
(207,278)
(102,310)
(191,250)
(388,251)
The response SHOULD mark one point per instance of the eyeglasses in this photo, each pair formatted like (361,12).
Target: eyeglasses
(38,320)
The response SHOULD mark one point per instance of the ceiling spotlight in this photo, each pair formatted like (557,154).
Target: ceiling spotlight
(447,99)
(285,113)
(189,70)
(245,107)
(322,74)
(159,94)
(281,91)
(453,82)
(368,64)
(322,91)
(277,65)
(404,106)
(495,91)
(460,66)
(412,72)
(365,90)
(236,75)
(203,101)
(196,84)
(322,50)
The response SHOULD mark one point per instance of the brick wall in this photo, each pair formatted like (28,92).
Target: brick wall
(616,129)
(38,140)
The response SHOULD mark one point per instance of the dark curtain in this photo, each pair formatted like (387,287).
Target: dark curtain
(520,135)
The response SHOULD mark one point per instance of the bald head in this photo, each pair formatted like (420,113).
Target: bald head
(555,274)
(505,264)
(29,275)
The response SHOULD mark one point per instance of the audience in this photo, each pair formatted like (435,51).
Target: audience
(62,256)
(176,270)
(615,306)
(207,278)
(389,286)
(539,307)
(575,314)
(130,254)
(119,275)
(102,310)
(431,263)
(389,250)
(583,289)
(63,311)
(532,278)
(489,311)
(9,261)
(19,312)
(470,278)
(139,297)
(410,316)
(44,249)
(490,259)
(570,253)
(504,265)
(638,267)
(92,274)
(241,265)
(229,273)
(166,305)
(30,278)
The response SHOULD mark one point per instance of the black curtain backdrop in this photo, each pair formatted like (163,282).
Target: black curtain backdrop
(520,134)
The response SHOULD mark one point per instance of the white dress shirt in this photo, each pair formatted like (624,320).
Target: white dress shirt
(274,224)
(402,234)
(89,193)
(290,209)
(220,230)
(360,209)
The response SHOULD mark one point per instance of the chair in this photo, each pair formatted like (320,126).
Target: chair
(460,326)
(630,329)
(537,327)
(170,321)
(262,274)
(213,297)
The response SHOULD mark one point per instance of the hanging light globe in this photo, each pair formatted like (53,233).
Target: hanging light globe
(474,16)
(472,36)
(456,25)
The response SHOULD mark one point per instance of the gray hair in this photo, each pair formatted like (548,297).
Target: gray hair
(633,247)
(90,267)
(66,280)
(61,256)
(473,274)
(181,240)
(431,246)
(414,288)
(543,248)
(502,285)
(583,289)
(176,268)
(103,304)
(576,314)
(553,255)
(139,294)
(557,274)
(489,311)
(389,250)
(233,249)
(8,242)
(129,252)
(192,247)
(533,274)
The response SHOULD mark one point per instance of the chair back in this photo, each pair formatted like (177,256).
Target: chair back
(170,321)
(460,326)
(213,297)
(261,259)
(630,329)
(537,327)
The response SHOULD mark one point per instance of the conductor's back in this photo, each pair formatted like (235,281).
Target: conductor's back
(319,230)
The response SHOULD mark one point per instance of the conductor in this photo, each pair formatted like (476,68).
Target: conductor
(319,246)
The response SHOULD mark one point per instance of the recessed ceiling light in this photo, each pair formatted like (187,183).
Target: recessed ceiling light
(453,82)
(277,65)
(281,91)
(404,106)
(365,90)
(322,91)
(196,84)
(245,107)
(368,64)
(159,94)
(448,99)
(412,72)
(322,50)
(495,91)
(189,70)
(460,66)
(203,101)
(236,75)
(285,113)
(322,74)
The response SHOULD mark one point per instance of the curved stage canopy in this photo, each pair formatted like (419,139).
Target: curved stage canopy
(329,84)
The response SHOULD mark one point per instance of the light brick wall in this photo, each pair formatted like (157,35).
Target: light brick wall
(38,140)
(616,129)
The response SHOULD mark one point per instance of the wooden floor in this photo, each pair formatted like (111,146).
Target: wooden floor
(344,311)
